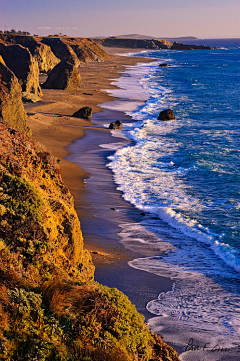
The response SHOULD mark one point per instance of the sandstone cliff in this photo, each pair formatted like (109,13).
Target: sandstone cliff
(11,106)
(20,61)
(41,52)
(87,50)
(37,215)
(60,48)
(49,307)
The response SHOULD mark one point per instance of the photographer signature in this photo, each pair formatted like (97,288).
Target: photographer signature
(192,346)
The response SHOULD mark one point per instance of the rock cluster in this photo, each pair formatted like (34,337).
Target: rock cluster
(60,57)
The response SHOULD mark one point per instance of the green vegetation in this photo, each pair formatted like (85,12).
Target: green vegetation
(50,308)
(65,321)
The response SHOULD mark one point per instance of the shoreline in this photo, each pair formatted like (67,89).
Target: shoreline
(53,126)
(101,217)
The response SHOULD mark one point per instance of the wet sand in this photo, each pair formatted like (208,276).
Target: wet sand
(101,208)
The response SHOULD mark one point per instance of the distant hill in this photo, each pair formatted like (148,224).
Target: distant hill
(136,36)
(147,37)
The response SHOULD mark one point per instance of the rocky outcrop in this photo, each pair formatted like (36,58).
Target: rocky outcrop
(41,52)
(11,106)
(116,125)
(167,114)
(85,113)
(20,61)
(147,44)
(65,75)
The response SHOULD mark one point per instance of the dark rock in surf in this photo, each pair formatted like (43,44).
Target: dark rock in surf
(85,113)
(163,65)
(167,114)
(116,125)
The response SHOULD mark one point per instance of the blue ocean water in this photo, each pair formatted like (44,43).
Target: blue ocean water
(185,174)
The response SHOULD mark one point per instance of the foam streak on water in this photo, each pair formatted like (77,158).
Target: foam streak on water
(185,175)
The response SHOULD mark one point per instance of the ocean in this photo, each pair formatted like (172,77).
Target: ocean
(184,175)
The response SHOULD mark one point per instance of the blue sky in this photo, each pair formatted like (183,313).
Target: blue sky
(158,18)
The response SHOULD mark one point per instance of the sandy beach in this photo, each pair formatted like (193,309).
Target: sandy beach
(101,208)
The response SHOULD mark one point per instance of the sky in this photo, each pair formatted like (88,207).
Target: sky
(91,18)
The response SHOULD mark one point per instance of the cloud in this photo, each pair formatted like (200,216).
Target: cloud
(56,28)
(44,27)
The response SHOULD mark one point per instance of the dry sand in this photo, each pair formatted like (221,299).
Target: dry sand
(53,126)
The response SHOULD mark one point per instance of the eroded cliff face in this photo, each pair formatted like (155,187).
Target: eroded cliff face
(38,222)
(20,61)
(41,52)
(87,50)
(11,106)
(64,75)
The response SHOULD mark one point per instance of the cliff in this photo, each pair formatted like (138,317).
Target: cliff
(11,106)
(50,308)
(154,44)
(20,61)
(48,51)
(41,52)
(85,50)
(37,218)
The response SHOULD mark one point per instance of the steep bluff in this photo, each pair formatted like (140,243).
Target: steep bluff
(41,52)
(11,106)
(37,216)
(50,308)
(87,50)
(20,61)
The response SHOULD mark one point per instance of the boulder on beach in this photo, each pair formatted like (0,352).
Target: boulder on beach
(167,114)
(11,106)
(20,61)
(116,125)
(85,113)
(64,75)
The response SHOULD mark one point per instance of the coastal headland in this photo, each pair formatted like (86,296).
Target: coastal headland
(47,287)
